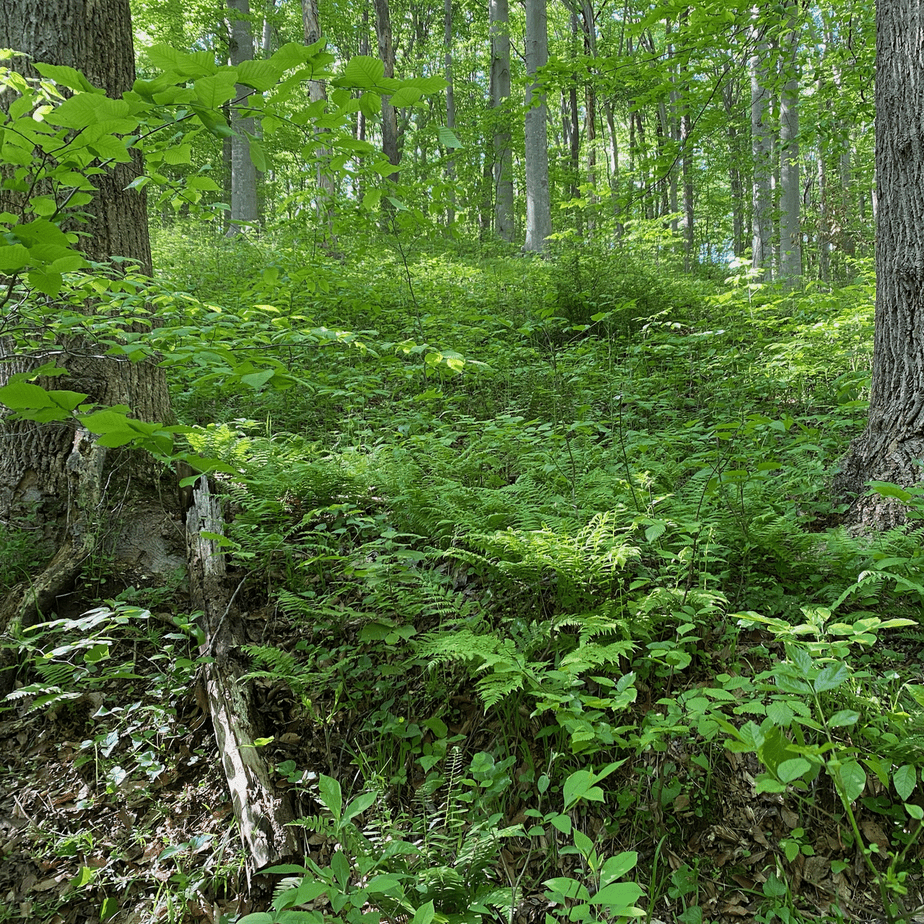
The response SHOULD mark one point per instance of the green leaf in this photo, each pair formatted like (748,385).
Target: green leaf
(583,843)
(178,154)
(359,805)
(579,785)
(85,109)
(66,77)
(258,154)
(215,90)
(362,72)
(904,779)
(424,914)
(188,66)
(405,97)
(852,779)
(830,677)
(256,380)
(331,795)
(844,717)
(13,258)
(261,75)
(85,875)
(618,894)
(567,888)
(616,867)
(23,396)
(887,489)
(792,769)
(448,138)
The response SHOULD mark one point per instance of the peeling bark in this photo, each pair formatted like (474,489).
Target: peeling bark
(262,814)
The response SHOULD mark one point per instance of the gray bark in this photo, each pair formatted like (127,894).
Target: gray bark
(56,474)
(790,189)
(500,92)
(538,204)
(244,204)
(317,91)
(450,107)
(387,54)
(893,443)
(761,155)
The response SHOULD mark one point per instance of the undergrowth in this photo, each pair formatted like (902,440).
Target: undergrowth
(542,528)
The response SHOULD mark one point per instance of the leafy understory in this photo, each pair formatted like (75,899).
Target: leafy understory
(551,612)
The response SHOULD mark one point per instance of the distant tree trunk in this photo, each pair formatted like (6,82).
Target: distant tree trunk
(317,91)
(790,188)
(761,153)
(387,54)
(500,92)
(590,107)
(244,205)
(450,108)
(686,163)
(891,447)
(538,203)
(572,126)
(55,476)
(736,156)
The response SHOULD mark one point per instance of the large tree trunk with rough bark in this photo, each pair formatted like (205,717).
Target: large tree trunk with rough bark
(54,478)
(892,446)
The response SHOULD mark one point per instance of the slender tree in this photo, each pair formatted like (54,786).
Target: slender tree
(311,26)
(761,152)
(387,54)
(500,92)
(244,204)
(790,189)
(538,203)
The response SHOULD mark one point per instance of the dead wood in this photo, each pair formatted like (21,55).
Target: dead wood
(262,813)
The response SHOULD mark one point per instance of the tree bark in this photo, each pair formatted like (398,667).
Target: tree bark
(263,815)
(75,494)
(891,447)
(244,205)
(500,92)
(317,91)
(538,203)
(450,109)
(761,154)
(790,189)
(387,54)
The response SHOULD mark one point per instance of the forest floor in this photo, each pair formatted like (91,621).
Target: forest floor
(538,562)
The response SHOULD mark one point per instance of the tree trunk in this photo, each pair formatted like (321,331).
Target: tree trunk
(500,92)
(75,494)
(761,153)
(317,91)
(450,109)
(791,191)
(387,54)
(538,204)
(243,171)
(735,158)
(891,447)
(686,162)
